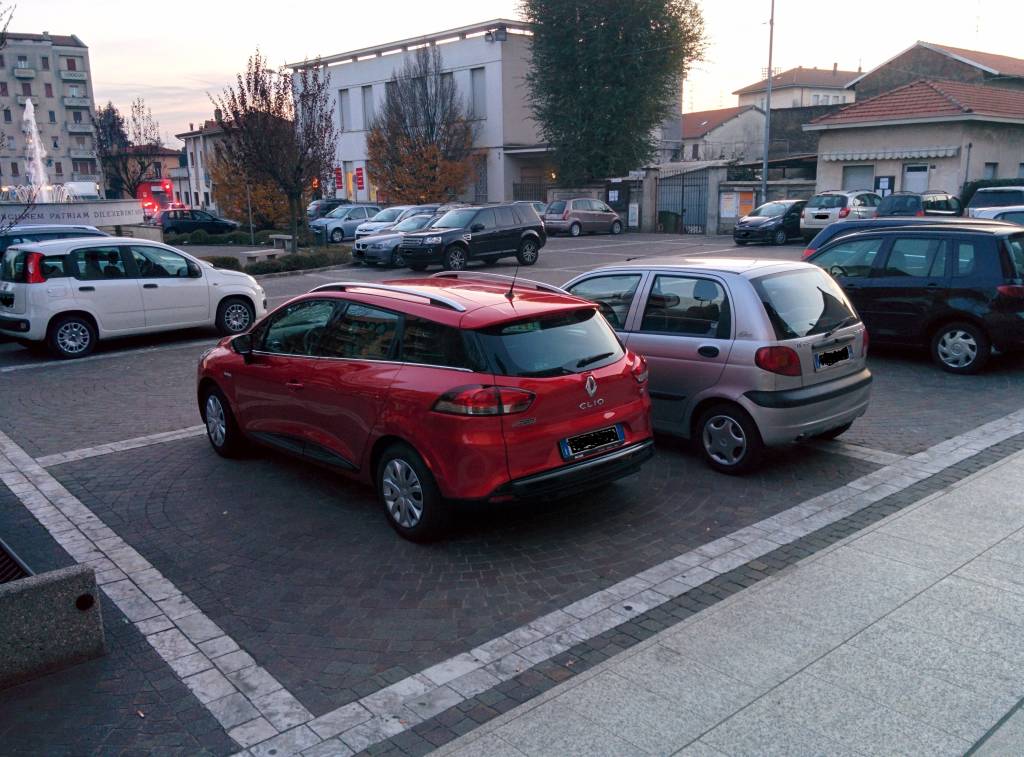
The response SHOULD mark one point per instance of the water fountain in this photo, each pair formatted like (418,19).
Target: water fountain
(38,201)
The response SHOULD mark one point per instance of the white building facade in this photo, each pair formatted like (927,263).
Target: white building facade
(194,185)
(488,63)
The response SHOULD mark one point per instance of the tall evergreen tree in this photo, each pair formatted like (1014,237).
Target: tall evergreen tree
(605,74)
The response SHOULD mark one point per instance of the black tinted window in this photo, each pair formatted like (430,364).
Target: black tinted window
(158,263)
(551,346)
(613,295)
(505,216)
(685,305)
(899,204)
(1013,216)
(298,328)
(485,218)
(97,264)
(850,259)
(916,257)
(966,255)
(801,303)
(429,343)
(362,332)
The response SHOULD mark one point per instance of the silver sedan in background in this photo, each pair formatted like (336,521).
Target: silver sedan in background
(742,354)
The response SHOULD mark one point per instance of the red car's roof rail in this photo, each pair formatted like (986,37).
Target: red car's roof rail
(433,299)
(538,285)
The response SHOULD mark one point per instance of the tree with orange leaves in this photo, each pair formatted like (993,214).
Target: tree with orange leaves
(269,205)
(420,145)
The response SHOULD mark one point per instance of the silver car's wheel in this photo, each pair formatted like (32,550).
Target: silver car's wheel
(337,235)
(729,439)
(73,338)
(402,493)
(961,348)
(724,440)
(575,230)
(216,423)
(616,227)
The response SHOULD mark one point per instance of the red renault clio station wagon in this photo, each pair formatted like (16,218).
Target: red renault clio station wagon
(460,386)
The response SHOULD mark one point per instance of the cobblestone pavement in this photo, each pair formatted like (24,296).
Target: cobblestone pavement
(299,567)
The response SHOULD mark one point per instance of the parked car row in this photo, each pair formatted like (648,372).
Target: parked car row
(554,386)
(778,221)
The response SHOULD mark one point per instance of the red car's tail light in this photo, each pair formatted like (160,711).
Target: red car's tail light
(919,214)
(484,400)
(34,268)
(807,253)
(640,369)
(781,360)
(1016,291)
(844,212)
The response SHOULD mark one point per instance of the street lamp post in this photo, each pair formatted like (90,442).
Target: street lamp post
(768,108)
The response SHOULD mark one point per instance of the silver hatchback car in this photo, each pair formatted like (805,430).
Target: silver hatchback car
(743,354)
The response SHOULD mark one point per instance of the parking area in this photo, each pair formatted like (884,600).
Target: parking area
(300,569)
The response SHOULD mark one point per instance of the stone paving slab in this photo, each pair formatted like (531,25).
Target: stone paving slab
(936,669)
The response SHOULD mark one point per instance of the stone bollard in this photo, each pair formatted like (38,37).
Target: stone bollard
(48,622)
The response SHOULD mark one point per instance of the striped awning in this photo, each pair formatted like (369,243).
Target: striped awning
(948,151)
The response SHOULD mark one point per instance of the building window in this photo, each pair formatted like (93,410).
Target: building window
(7,115)
(156,171)
(835,99)
(80,141)
(368,113)
(45,60)
(694,151)
(3,89)
(191,159)
(1020,171)
(48,89)
(73,90)
(58,168)
(844,98)
(345,112)
(56,143)
(814,99)
(206,199)
(196,195)
(71,63)
(22,62)
(53,116)
(3,64)
(26,88)
(478,83)
(991,171)
(76,116)
(14,168)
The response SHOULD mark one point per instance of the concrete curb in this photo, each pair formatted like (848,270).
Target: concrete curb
(48,622)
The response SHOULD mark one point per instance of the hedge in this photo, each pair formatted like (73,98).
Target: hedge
(230,238)
(300,261)
(224,261)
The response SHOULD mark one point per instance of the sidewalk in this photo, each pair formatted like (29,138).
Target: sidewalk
(906,638)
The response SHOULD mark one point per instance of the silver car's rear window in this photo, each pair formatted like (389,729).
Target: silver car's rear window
(803,303)
(827,201)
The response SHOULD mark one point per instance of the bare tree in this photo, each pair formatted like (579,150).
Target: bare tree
(420,145)
(128,149)
(280,128)
(6,14)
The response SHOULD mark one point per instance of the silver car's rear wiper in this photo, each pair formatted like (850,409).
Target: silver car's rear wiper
(847,321)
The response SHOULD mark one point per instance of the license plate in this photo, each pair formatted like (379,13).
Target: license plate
(822,217)
(585,444)
(829,358)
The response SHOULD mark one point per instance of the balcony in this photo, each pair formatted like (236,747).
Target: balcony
(78,127)
(94,177)
(73,75)
(24,72)
(22,99)
(82,152)
(77,102)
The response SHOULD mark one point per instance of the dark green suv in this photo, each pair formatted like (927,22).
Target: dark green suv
(478,233)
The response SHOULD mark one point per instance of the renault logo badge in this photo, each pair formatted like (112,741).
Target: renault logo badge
(591,386)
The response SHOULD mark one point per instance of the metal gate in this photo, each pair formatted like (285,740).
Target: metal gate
(683,203)
(530,191)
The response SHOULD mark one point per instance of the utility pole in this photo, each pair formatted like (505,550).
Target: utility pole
(768,109)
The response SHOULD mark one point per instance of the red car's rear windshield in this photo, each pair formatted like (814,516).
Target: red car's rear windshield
(555,345)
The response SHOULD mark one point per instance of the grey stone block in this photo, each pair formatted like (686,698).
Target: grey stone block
(41,626)
(1009,739)
(758,731)
(557,729)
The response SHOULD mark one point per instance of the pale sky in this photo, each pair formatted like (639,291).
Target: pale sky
(172,55)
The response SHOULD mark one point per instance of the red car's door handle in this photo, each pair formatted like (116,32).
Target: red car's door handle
(293,384)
